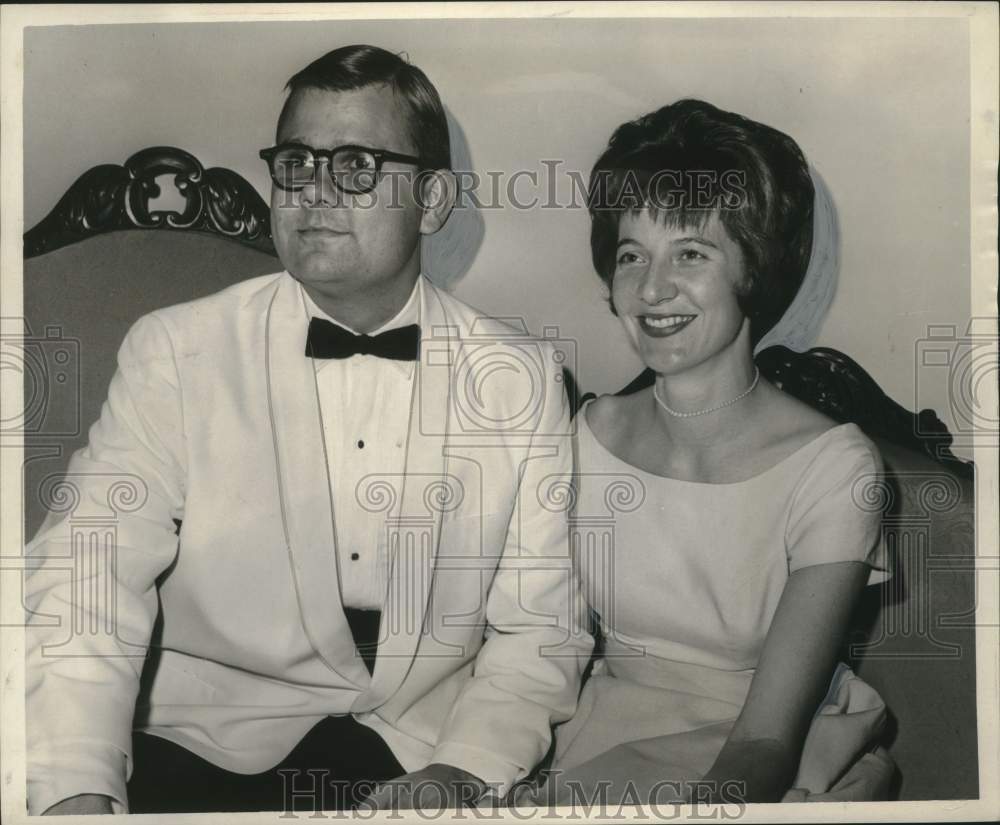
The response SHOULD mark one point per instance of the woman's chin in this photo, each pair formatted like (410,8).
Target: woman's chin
(664,363)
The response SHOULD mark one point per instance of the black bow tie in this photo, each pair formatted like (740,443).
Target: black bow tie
(327,340)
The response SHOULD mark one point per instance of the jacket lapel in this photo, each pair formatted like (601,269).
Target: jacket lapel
(303,476)
(414,518)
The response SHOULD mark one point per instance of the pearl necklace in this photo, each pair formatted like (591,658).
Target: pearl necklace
(729,403)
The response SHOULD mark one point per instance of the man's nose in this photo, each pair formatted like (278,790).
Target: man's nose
(322,191)
(659,284)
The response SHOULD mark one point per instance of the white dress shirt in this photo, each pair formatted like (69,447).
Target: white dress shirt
(365,407)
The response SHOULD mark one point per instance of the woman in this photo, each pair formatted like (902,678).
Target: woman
(732,582)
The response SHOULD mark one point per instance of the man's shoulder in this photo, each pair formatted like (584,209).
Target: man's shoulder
(221,309)
(206,321)
(476,324)
(233,297)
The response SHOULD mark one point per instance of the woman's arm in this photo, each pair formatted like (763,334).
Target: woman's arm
(793,676)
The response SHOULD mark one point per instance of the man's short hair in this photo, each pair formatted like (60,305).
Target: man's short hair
(356,67)
(756,180)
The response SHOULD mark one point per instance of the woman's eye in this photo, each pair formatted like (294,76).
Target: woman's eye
(626,258)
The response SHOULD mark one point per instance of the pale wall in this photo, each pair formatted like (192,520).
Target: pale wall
(879,107)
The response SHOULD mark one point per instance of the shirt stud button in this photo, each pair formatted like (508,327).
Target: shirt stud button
(361,444)
(355,557)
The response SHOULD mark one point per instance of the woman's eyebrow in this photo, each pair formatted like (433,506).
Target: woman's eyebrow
(623,241)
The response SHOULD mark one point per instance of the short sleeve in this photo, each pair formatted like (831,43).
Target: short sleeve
(835,514)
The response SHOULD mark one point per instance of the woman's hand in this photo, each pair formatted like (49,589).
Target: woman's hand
(868,779)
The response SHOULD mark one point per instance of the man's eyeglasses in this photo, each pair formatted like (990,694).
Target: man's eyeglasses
(354,169)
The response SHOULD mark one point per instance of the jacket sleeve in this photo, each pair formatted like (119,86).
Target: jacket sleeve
(91,590)
(527,674)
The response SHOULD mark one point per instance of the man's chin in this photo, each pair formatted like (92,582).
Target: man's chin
(319,272)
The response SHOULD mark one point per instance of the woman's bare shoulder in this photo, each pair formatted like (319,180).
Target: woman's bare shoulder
(608,416)
(793,423)
(601,409)
(612,420)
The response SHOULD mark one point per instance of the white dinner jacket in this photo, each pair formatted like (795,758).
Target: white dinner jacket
(212,419)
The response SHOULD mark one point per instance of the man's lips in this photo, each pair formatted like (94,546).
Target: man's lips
(320,232)
(663,326)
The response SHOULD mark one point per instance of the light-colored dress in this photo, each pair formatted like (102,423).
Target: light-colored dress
(686,578)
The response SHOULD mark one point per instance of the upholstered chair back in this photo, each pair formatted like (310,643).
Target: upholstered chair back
(914,638)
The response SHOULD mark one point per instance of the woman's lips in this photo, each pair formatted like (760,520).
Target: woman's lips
(663,326)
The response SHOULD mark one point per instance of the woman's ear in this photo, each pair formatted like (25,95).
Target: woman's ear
(436,190)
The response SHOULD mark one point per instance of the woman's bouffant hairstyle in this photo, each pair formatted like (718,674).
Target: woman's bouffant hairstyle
(355,67)
(688,161)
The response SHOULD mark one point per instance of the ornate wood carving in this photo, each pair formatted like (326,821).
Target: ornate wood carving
(109,197)
(838,386)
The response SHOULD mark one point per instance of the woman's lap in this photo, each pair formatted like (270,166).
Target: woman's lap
(633,738)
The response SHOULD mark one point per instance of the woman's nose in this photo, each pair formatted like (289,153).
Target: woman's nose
(659,284)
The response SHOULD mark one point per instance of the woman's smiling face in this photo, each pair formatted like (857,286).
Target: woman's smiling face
(675,290)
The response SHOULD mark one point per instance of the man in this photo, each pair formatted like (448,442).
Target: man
(369,580)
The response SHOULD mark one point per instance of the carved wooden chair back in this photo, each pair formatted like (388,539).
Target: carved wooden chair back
(101,259)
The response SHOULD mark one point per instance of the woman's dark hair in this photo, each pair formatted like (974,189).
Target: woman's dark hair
(688,161)
(355,67)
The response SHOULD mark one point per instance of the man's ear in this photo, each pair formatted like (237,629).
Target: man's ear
(437,190)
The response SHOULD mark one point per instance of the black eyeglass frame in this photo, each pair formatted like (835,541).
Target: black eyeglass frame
(379,155)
